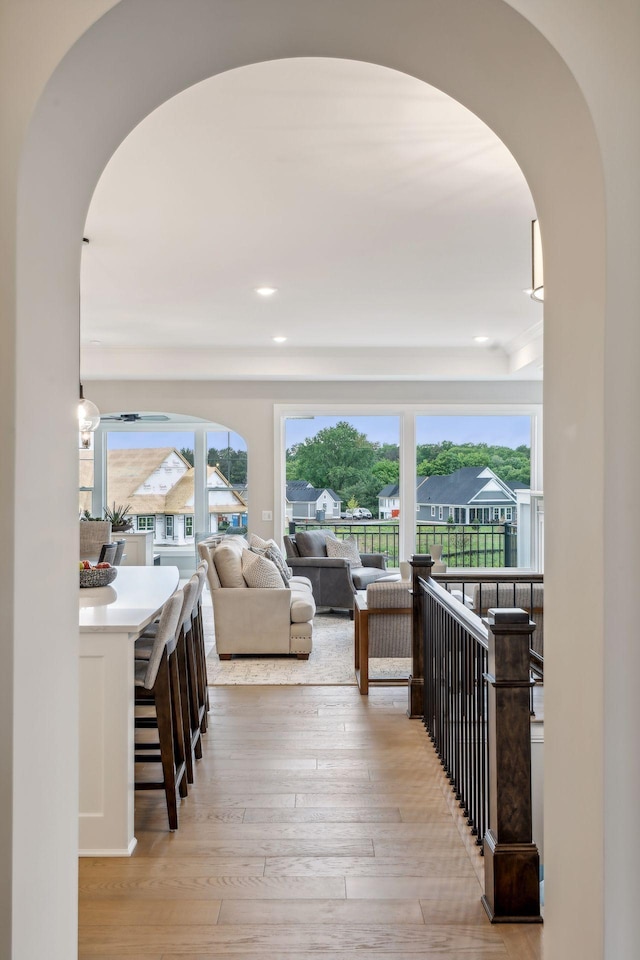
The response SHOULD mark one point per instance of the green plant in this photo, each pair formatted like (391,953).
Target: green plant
(119,516)
(86,515)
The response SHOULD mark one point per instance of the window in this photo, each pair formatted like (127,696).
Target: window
(86,478)
(496,514)
(433,511)
(146,523)
(509,513)
(439,513)
(226,480)
(169,527)
(188,526)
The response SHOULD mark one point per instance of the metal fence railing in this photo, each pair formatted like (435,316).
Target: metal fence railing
(463,545)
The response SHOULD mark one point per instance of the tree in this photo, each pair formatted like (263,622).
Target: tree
(187,454)
(337,457)
(442,459)
(231,463)
(386,471)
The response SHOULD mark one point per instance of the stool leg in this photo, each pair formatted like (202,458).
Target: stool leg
(194,707)
(184,704)
(165,735)
(178,727)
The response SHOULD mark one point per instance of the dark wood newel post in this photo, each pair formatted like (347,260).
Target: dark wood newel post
(421,564)
(511,861)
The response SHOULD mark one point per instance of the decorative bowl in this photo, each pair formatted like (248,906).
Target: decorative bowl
(98,578)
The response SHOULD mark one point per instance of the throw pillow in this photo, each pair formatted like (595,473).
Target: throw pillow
(260,572)
(271,550)
(272,553)
(257,544)
(347,549)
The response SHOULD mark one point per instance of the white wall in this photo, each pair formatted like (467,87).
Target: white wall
(496,64)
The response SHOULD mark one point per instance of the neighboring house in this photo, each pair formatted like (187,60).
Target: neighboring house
(469,495)
(158,485)
(389,502)
(306,502)
(389,499)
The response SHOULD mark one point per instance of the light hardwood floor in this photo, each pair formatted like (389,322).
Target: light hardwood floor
(320,827)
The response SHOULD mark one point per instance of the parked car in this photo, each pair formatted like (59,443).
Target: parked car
(360,513)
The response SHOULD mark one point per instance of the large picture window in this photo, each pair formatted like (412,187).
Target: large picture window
(483,464)
(472,481)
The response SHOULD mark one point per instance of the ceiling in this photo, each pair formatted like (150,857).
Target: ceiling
(394,224)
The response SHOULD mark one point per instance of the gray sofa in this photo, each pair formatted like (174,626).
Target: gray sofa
(333,580)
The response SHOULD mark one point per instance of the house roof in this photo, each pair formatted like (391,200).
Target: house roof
(128,469)
(391,490)
(466,485)
(299,491)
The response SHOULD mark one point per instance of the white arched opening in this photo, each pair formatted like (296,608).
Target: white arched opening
(135,57)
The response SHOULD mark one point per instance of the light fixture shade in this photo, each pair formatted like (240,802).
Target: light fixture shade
(537,274)
(88,415)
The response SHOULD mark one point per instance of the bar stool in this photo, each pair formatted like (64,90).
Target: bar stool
(187,657)
(120,545)
(108,553)
(187,670)
(201,654)
(154,687)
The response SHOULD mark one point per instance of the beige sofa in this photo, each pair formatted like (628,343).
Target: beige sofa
(255,620)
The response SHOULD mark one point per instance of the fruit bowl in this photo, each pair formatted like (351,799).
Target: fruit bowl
(94,577)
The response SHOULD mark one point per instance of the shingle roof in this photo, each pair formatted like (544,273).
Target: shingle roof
(462,486)
(299,491)
(391,490)
(128,469)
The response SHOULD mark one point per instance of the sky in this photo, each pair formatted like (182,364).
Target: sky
(134,439)
(507,431)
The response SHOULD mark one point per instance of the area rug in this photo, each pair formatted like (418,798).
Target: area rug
(330,661)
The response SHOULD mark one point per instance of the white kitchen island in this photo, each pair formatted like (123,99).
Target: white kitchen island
(110,620)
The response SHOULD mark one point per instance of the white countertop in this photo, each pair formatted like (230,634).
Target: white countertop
(129,603)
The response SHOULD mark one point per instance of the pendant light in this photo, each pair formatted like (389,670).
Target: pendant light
(88,413)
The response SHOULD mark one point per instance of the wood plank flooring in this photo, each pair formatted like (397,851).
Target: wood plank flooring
(320,827)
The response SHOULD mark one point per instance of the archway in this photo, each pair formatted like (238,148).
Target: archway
(496,63)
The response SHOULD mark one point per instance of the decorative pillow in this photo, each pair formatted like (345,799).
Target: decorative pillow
(227,558)
(272,553)
(271,550)
(347,549)
(257,544)
(260,572)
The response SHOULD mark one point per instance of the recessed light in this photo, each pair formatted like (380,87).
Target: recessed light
(278,339)
(95,343)
(266,291)
(481,339)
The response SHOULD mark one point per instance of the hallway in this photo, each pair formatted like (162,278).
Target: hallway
(320,826)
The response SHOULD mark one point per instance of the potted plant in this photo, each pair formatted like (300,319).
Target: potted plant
(119,517)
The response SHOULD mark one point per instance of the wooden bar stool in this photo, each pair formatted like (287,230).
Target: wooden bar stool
(187,661)
(154,687)
(201,654)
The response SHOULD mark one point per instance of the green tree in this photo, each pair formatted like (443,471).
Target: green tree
(386,471)
(231,463)
(187,454)
(442,459)
(337,457)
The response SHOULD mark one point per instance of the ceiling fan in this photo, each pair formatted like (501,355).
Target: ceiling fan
(136,417)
